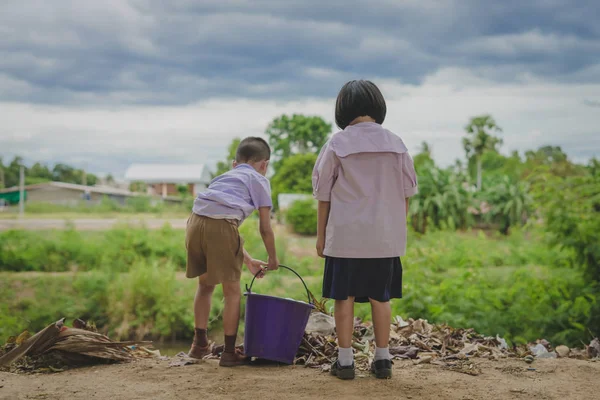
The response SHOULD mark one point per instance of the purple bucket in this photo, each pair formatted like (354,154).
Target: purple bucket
(275,326)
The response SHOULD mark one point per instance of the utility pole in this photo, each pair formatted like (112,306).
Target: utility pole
(22,192)
(84,175)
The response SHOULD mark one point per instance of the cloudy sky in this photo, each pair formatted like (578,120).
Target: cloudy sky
(102,84)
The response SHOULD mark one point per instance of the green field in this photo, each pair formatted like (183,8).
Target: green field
(130,282)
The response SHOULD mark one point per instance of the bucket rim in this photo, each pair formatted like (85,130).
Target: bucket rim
(248,294)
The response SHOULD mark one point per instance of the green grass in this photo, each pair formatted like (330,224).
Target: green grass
(129,280)
(105,209)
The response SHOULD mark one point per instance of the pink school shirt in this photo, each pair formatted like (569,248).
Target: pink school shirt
(366,173)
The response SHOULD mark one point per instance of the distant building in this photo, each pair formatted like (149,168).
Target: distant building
(163,179)
(65,194)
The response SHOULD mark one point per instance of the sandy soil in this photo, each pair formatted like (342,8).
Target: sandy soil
(153,379)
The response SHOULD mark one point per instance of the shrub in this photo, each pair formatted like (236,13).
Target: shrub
(302,215)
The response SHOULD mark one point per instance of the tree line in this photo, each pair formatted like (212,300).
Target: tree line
(39,173)
(486,187)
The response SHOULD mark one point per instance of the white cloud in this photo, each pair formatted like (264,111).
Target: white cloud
(532,114)
(531,42)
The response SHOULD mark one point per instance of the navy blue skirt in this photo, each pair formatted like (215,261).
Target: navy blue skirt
(379,279)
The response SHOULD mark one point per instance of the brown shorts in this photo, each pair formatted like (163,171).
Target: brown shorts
(215,250)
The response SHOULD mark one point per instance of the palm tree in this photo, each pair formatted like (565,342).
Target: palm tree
(442,200)
(426,148)
(510,203)
(478,140)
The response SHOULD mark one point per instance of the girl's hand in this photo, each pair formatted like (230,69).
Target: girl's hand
(320,246)
(257,267)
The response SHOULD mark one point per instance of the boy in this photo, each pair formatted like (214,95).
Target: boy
(215,250)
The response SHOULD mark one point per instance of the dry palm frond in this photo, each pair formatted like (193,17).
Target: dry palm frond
(69,346)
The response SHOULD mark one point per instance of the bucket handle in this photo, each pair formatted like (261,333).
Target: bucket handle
(249,289)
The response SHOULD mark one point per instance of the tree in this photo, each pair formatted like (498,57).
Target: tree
(64,173)
(509,201)
(224,166)
(294,175)
(423,158)
(40,172)
(570,207)
(553,159)
(442,200)
(480,140)
(2,179)
(12,172)
(296,134)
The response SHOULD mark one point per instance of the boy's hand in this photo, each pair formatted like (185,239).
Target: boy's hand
(256,267)
(273,264)
(320,246)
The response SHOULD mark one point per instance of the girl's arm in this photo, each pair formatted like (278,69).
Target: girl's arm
(322,218)
(407,207)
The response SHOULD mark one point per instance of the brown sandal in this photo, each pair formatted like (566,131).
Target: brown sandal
(198,352)
(234,359)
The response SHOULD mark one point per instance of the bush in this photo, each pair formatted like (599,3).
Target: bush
(302,215)
(114,250)
(128,282)
(293,176)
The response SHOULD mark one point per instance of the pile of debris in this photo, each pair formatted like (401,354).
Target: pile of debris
(58,346)
(425,343)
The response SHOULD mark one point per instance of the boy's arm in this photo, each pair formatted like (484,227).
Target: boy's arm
(256,267)
(268,236)
(322,218)
(247,258)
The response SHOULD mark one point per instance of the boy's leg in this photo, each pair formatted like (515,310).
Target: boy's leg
(202,302)
(344,326)
(232,294)
(382,317)
(231,319)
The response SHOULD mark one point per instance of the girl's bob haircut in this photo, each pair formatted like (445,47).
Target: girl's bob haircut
(358,99)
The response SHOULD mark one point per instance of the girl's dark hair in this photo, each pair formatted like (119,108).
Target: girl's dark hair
(253,149)
(358,99)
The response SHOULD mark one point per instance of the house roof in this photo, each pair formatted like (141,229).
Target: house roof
(73,186)
(168,173)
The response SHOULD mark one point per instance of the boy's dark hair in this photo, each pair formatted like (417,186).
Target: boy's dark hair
(252,149)
(358,99)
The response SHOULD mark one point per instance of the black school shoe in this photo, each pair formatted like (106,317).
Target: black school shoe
(382,369)
(343,372)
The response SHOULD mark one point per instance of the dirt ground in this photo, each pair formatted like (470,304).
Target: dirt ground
(90,224)
(154,379)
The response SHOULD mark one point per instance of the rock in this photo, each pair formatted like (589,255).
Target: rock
(563,351)
(501,343)
(528,359)
(321,324)
(424,360)
(400,322)
(538,350)
(593,349)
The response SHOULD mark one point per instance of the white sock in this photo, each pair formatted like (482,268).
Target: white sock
(345,356)
(382,353)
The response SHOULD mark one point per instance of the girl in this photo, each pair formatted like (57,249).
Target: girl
(362,180)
